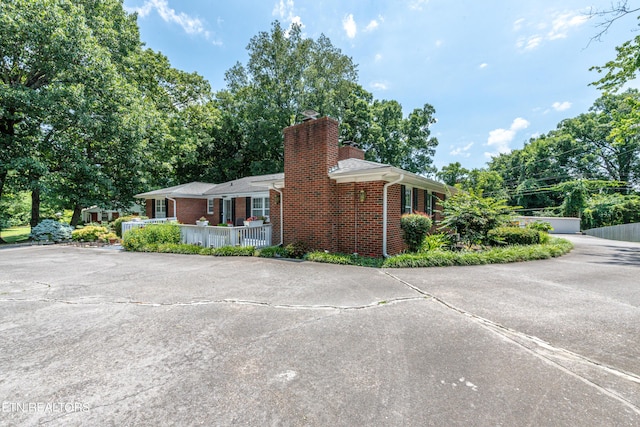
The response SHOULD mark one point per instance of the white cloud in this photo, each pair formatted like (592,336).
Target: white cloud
(501,138)
(462,151)
(417,4)
(557,26)
(372,25)
(350,26)
(189,24)
(439,43)
(379,86)
(529,43)
(563,23)
(284,9)
(378,57)
(483,65)
(561,106)
(517,25)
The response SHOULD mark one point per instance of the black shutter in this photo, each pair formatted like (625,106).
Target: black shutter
(153,208)
(220,208)
(166,208)
(414,205)
(233,211)
(402,191)
(426,201)
(247,210)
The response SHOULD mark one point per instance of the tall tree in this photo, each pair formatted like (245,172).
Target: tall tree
(453,174)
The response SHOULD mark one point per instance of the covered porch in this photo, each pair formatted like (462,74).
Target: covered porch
(212,236)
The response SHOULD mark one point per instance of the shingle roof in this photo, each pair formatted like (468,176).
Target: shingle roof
(191,189)
(242,185)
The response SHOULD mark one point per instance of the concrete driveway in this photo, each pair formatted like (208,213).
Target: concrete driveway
(104,337)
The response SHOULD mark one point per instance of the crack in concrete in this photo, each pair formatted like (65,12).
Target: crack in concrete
(540,348)
(224,301)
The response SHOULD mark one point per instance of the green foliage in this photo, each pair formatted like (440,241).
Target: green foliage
(89,233)
(611,209)
(343,259)
(147,238)
(273,252)
(554,248)
(50,230)
(187,249)
(513,236)
(117,223)
(544,226)
(472,216)
(414,228)
(297,250)
(435,242)
(453,174)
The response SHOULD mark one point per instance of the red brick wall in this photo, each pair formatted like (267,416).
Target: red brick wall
(309,196)
(395,244)
(274,216)
(189,210)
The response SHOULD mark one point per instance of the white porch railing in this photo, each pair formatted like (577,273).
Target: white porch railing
(126,226)
(216,237)
(213,236)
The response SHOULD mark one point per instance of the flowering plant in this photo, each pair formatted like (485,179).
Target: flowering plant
(253,218)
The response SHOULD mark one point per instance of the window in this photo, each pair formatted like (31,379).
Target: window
(161,208)
(210,206)
(407,199)
(260,206)
(428,203)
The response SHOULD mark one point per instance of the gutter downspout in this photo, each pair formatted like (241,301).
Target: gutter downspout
(384,213)
(273,187)
(175,206)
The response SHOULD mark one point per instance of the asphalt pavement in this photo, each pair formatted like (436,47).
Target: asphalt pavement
(96,336)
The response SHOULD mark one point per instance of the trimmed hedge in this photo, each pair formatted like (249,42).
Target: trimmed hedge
(414,227)
(514,236)
(90,233)
(147,238)
(554,248)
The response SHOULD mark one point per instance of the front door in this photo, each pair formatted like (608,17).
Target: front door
(227,210)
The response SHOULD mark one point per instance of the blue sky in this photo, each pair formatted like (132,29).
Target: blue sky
(498,72)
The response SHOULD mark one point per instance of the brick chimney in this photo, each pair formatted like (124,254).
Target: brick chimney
(350,152)
(309,196)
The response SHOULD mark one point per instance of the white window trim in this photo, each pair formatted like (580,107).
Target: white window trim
(263,210)
(161,213)
(210,206)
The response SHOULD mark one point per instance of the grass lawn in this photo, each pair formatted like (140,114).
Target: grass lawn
(15,234)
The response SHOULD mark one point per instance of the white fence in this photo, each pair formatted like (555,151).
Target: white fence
(625,232)
(126,226)
(214,236)
(561,225)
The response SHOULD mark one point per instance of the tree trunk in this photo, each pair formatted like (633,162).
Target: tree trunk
(35,207)
(77,210)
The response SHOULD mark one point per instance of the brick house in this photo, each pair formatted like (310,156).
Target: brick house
(328,198)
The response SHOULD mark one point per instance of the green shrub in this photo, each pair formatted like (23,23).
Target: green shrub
(343,259)
(90,233)
(273,252)
(434,242)
(50,230)
(437,258)
(117,223)
(138,239)
(472,216)
(544,226)
(233,251)
(414,227)
(296,250)
(513,236)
